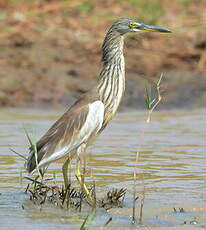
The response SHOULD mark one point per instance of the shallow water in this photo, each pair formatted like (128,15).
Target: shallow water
(171,167)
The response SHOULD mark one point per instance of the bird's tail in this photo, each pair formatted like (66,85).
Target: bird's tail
(30,164)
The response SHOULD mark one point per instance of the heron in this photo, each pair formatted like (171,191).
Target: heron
(78,127)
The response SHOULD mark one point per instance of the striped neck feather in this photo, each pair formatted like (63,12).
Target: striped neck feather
(112,76)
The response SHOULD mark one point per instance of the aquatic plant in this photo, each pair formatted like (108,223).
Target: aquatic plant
(41,191)
(151,103)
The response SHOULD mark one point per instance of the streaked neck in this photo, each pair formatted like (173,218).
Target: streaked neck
(112,76)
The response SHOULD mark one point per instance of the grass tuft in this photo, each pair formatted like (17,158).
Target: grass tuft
(33,148)
(151,103)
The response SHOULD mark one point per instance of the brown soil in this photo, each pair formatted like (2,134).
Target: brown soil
(50,52)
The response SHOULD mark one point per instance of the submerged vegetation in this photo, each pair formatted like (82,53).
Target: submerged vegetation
(40,192)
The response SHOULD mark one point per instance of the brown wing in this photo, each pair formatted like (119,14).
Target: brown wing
(59,135)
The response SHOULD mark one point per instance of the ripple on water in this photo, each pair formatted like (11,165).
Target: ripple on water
(172,166)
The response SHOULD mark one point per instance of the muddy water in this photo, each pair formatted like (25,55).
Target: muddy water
(172,168)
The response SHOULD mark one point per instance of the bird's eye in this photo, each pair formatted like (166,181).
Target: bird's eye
(133,24)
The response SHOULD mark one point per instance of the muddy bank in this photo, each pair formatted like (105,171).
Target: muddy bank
(50,52)
(43,75)
(180,89)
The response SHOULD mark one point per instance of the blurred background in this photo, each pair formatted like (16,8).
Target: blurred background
(50,50)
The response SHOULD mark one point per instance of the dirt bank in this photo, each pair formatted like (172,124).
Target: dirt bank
(50,53)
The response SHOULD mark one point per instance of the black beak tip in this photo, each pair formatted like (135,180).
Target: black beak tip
(168,31)
(161,30)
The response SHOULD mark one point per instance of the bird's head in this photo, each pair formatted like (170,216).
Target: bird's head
(125,25)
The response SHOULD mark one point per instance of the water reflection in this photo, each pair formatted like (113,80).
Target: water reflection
(172,162)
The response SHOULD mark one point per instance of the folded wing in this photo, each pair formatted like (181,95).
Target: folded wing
(76,126)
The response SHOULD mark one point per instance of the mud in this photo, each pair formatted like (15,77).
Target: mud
(50,52)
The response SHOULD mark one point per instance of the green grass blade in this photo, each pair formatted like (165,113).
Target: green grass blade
(159,81)
(88,220)
(148,96)
(20,155)
(32,180)
(28,137)
(152,102)
(34,150)
(35,181)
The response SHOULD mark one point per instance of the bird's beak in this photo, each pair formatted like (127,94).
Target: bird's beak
(148,28)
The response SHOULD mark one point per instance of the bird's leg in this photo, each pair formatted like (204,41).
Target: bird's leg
(81,182)
(65,170)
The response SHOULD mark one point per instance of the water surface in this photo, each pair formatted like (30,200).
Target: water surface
(171,167)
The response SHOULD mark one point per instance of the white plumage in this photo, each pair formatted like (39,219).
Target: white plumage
(91,126)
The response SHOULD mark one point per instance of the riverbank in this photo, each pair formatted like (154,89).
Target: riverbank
(51,52)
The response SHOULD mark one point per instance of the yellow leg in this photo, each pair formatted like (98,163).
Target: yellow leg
(65,174)
(79,178)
